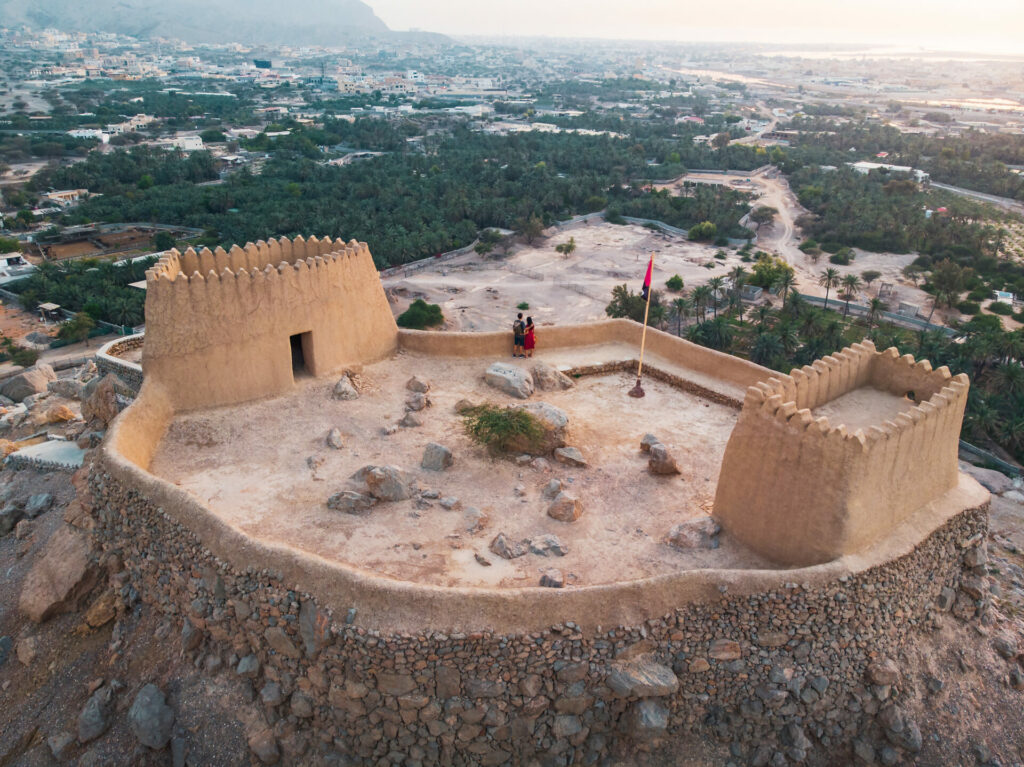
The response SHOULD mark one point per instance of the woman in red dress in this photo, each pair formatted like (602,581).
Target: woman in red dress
(531,339)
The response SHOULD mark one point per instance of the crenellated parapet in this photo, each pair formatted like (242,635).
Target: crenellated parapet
(229,326)
(802,489)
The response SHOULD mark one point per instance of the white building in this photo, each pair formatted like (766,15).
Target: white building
(866,167)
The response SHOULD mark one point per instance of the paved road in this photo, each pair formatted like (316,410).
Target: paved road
(1003,202)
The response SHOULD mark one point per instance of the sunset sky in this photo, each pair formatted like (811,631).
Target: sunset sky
(994,26)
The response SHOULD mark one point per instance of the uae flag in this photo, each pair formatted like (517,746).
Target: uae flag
(647,279)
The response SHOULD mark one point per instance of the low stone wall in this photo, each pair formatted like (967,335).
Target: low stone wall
(651,371)
(108,360)
(746,665)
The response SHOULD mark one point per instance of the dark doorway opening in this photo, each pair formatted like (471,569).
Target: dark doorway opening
(300,345)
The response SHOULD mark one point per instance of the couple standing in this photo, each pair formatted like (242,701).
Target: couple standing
(523,336)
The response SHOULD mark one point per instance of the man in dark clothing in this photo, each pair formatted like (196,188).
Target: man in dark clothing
(518,336)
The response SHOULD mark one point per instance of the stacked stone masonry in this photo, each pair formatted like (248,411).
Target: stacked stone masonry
(746,665)
(109,360)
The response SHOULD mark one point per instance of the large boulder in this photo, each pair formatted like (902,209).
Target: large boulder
(510,379)
(34,380)
(345,389)
(565,508)
(992,480)
(61,575)
(385,483)
(641,678)
(94,718)
(548,378)
(150,718)
(103,398)
(69,388)
(699,533)
(661,463)
(553,420)
(436,457)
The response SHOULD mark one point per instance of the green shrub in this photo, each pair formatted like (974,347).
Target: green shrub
(705,230)
(501,429)
(981,294)
(969,307)
(420,315)
(808,245)
(831,247)
(1019,316)
(843,257)
(1000,307)
(673,283)
(522,305)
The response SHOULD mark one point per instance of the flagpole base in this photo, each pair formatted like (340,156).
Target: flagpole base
(637,391)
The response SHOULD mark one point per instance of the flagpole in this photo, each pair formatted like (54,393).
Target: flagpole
(638,390)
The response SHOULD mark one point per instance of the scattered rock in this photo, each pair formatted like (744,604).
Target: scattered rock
(150,718)
(725,650)
(263,744)
(506,548)
(481,560)
(334,438)
(661,463)
(509,379)
(23,529)
(540,464)
(648,720)
(95,715)
(301,706)
(249,667)
(548,545)
(68,388)
(436,457)
(463,406)
(60,575)
(519,490)
(410,420)
(699,533)
(102,610)
(271,694)
(552,579)
(351,502)
(450,502)
(565,508)
(946,598)
(279,641)
(552,488)
(416,402)
(473,520)
(103,398)
(570,456)
(417,384)
(1006,646)
(38,504)
(647,442)
(28,650)
(34,380)
(345,389)
(641,678)
(548,378)
(59,744)
(883,672)
(553,420)
(386,483)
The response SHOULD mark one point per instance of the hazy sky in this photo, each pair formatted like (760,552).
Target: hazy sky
(995,26)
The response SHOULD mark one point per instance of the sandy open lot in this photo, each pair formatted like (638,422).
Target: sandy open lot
(482,294)
(249,465)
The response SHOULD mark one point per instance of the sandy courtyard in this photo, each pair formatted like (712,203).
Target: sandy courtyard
(248,463)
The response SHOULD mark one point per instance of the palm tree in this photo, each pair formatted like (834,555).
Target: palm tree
(829,279)
(767,349)
(851,284)
(715,283)
(700,296)
(875,307)
(681,308)
(786,281)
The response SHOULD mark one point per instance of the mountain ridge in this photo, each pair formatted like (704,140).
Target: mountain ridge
(313,22)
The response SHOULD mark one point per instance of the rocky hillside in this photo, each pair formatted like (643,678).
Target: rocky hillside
(313,22)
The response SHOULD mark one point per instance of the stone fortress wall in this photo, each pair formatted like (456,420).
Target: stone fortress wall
(109,360)
(800,490)
(436,675)
(219,323)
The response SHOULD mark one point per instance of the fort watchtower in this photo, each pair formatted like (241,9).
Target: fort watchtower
(231,326)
